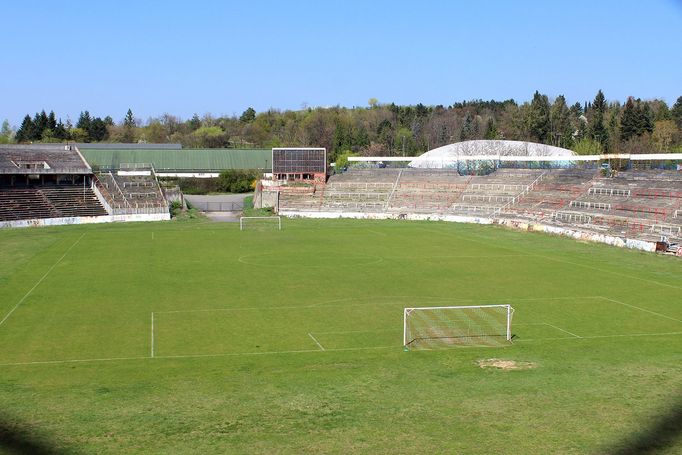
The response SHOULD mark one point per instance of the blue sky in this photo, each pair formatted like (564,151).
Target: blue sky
(222,57)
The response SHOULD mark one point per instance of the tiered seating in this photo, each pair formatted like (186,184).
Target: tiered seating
(640,204)
(306,199)
(366,190)
(132,194)
(427,191)
(48,202)
(72,201)
(494,192)
(554,192)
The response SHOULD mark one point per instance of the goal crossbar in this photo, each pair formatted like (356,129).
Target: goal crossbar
(465,325)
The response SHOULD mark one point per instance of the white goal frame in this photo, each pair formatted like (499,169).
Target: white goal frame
(278,218)
(407,311)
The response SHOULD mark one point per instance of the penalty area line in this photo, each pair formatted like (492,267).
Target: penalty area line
(41,279)
(641,309)
(562,330)
(315,340)
(195,356)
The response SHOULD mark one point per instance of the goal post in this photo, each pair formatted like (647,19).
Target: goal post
(446,326)
(260,222)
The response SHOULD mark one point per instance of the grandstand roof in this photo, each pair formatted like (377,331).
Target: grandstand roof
(42,159)
(124,145)
(185,160)
(449,154)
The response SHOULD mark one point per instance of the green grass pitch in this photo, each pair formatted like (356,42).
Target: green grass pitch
(194,337)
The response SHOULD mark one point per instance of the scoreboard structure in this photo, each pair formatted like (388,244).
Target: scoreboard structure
(299,163)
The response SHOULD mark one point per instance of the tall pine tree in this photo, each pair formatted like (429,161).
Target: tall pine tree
(538,118)
(598,130)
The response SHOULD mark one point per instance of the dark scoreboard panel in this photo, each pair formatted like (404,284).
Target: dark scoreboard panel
(295,161)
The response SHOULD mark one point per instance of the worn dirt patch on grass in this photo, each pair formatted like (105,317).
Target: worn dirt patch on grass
(502,364)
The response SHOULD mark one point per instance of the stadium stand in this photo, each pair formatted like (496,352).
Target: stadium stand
(53,184)
(644,204)
(45,181)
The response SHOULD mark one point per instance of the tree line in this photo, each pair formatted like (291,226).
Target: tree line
(596,126)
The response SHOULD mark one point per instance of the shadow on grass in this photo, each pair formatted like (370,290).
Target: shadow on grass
(21,439)
(662,435)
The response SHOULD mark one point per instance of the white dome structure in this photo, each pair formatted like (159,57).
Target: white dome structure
(449,155)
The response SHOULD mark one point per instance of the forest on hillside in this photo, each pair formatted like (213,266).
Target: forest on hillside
(596,126)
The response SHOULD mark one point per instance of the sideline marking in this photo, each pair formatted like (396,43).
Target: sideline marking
(641,309)
(562,330)
(41,279)
(315,340)
(152,335)
(660,283)
(197,356)
(627,335)
(303,351)
(389,300)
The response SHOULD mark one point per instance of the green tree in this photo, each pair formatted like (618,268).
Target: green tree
(676,112)
(84,124)
(60,131)
(25,132)
(629,123)
(98,130)
(248,116)
(128,127)
(664,132)
(538,118)
(587,146)
(6,132)
(467,131)
(129,119)
(491,130)
(194,123)
(598,130)
(560,123)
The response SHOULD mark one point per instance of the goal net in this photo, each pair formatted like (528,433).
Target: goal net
(260,223)
(441,327)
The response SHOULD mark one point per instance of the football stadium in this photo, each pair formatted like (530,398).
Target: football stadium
(485,297)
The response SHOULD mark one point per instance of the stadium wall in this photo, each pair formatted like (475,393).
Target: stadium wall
(85,220)
(621,242)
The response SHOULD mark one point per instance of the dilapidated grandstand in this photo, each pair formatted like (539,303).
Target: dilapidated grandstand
(576,194)
(53,184)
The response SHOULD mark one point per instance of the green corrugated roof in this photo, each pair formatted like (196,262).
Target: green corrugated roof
(183,160)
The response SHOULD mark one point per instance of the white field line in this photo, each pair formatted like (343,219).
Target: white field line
(41,279)
(152,353)
(302,351)
(448,256)
(487,243)
(562,330)
(198,356)
(627,335)
(355,331)
(468,238)
(54,362)
(316,342)
(377,232)
(634,277)
(642,309)
(351,299)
